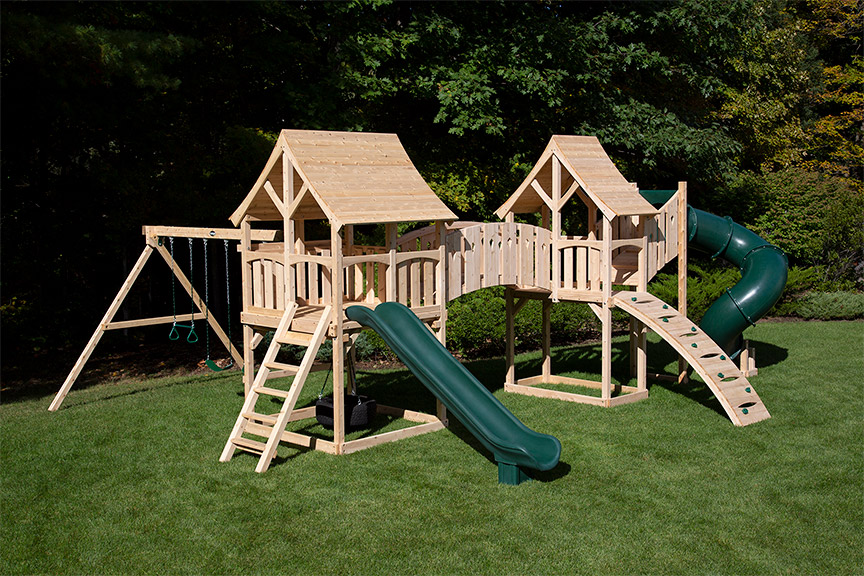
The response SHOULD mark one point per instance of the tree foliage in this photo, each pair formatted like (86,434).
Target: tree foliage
(118,114)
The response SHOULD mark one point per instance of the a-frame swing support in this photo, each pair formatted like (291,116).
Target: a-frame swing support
(152,234)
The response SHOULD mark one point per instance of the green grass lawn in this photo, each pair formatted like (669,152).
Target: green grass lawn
(125,479)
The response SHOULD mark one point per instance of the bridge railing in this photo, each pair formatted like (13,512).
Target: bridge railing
(494,254)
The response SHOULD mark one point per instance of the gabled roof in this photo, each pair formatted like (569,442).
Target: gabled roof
(588,171)
(346,177)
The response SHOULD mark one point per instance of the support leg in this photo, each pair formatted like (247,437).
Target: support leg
(510,360)
(606,346)
(248,358)
(641,356)
(547,340)
(97,335)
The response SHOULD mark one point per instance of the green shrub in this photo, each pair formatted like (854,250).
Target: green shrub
(370,346)
(705,284)
(476,323)
(800,281)
(831,306)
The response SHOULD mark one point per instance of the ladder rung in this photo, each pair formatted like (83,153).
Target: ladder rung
(249,445)
(271,391)
(265,418)
(282,367)
(296,338)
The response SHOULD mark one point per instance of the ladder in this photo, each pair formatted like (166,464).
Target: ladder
(270,368)
(729,385)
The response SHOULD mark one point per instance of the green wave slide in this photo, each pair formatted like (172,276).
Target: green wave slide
(514,446)
(764,271)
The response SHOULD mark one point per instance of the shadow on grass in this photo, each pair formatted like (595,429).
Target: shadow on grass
(400,388)
(559,471)
(132,388)
(660,355)
(114,361)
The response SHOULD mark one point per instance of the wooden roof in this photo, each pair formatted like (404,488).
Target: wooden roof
(586,164)
(346,177)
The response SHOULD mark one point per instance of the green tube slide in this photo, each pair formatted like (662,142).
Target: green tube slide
(764,270)
(513,445)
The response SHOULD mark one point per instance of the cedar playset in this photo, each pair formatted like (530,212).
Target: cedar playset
(306,290)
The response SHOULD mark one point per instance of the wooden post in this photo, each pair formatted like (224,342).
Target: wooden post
(246,281)
(97,335)
(556,227)
(248,358)
(547,340)
(338,343)
(641,329)
(510,358)
(288,229)
(606,314)
(391,231)
(682,267)
(350,286)
(441,287)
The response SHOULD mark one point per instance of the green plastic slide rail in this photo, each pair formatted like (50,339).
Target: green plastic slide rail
(514,446)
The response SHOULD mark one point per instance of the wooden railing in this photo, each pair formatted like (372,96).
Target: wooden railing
(267,275)
(580,260)
(493,254)
(372,275)
(475,255)
(663,236)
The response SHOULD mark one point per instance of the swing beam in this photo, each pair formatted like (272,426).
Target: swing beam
(152,235)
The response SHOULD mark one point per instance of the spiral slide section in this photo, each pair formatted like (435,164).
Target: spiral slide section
(764,270)
(513,445)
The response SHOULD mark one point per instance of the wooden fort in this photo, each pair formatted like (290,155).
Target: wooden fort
(318,187)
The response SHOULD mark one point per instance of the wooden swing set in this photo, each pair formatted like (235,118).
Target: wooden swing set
(154,237)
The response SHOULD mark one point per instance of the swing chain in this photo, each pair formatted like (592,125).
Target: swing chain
(173,335)
(227,288)
(191,277)
(192,337)
(206,300)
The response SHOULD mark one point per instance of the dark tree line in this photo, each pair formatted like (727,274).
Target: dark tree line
(120,114)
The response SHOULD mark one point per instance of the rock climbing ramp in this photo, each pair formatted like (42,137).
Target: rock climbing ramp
(730,387)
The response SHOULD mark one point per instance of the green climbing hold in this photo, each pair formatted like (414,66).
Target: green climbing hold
(694,345)
(722,357)
(665,320)
(693,329)
(745,411)
(747,389)
(633,298)
(720,375)
(665,307)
